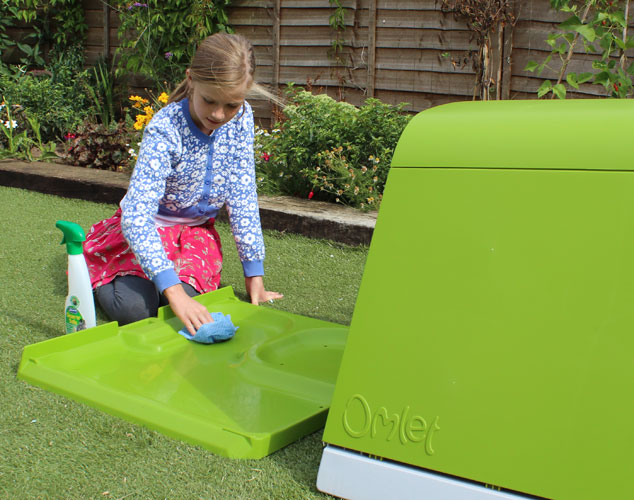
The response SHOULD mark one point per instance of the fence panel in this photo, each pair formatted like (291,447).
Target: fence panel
(396,50)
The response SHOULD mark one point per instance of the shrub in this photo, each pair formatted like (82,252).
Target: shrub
(101,147)
(58,107)
(21,136)
(158,37)
(113,147)
(329,150)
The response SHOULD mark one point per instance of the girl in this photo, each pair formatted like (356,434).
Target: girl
(196,156)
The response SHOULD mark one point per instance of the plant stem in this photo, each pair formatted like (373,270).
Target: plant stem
(498,84)
(571,49)
(627,15)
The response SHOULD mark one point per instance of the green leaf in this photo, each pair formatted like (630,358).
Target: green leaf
(618,18)
(552,40)
(602,78)
(584,77)
(530,66)
(571,24)
(571,78)
(544,88)
(587,32)
(560,90)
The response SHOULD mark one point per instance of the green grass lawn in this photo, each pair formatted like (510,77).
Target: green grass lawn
(54,448)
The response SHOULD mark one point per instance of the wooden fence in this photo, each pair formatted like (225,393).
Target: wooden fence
(396,50)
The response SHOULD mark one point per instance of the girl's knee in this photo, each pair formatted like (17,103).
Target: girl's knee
(124,303)
(133,308)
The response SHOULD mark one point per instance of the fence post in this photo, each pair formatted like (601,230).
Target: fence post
(371,49)
(507,56)
(106,31)
(277,12)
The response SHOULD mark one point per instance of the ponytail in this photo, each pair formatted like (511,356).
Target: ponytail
(180,92)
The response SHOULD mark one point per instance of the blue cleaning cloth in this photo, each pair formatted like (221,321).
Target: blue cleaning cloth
(211,333)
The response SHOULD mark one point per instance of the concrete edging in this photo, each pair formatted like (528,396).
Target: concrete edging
(314,219)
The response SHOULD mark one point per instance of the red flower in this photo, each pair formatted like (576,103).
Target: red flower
(69,136)
(616,87)
(310,195)
(266,156)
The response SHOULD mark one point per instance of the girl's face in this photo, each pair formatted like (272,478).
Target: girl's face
(211,107)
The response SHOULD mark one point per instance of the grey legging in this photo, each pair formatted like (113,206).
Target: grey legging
(127,299)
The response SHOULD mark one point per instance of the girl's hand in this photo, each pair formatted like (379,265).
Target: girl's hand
(191,312)
(255,289)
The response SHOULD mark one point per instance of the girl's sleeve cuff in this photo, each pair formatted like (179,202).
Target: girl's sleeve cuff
(253,268)
(166,279)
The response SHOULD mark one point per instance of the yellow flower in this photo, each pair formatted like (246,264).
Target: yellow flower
(148,111)
(141,121)
(139,99)
(163,98)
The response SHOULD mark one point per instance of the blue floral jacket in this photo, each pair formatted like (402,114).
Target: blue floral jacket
(182,172)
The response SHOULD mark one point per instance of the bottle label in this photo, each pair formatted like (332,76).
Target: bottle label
(74,320)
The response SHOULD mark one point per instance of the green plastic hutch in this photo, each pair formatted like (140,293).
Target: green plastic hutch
(491,349)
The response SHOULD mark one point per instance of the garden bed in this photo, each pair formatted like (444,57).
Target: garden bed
(315,219)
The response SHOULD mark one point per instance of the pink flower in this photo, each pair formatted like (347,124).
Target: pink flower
(266,156)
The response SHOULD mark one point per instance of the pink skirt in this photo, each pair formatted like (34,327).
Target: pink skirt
(195,251)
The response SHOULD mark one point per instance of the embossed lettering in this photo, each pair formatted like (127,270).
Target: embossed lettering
(411,428)
(359,420)
(428,449)
(382,414)
(367,414)
(403,420)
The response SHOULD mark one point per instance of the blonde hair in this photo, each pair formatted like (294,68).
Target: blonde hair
(223,60)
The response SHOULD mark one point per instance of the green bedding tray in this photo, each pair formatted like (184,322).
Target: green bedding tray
(246,398)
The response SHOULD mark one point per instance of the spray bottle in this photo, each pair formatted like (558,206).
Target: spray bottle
(80,305)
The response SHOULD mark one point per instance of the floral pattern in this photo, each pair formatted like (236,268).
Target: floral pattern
(195,251)
(181,172)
